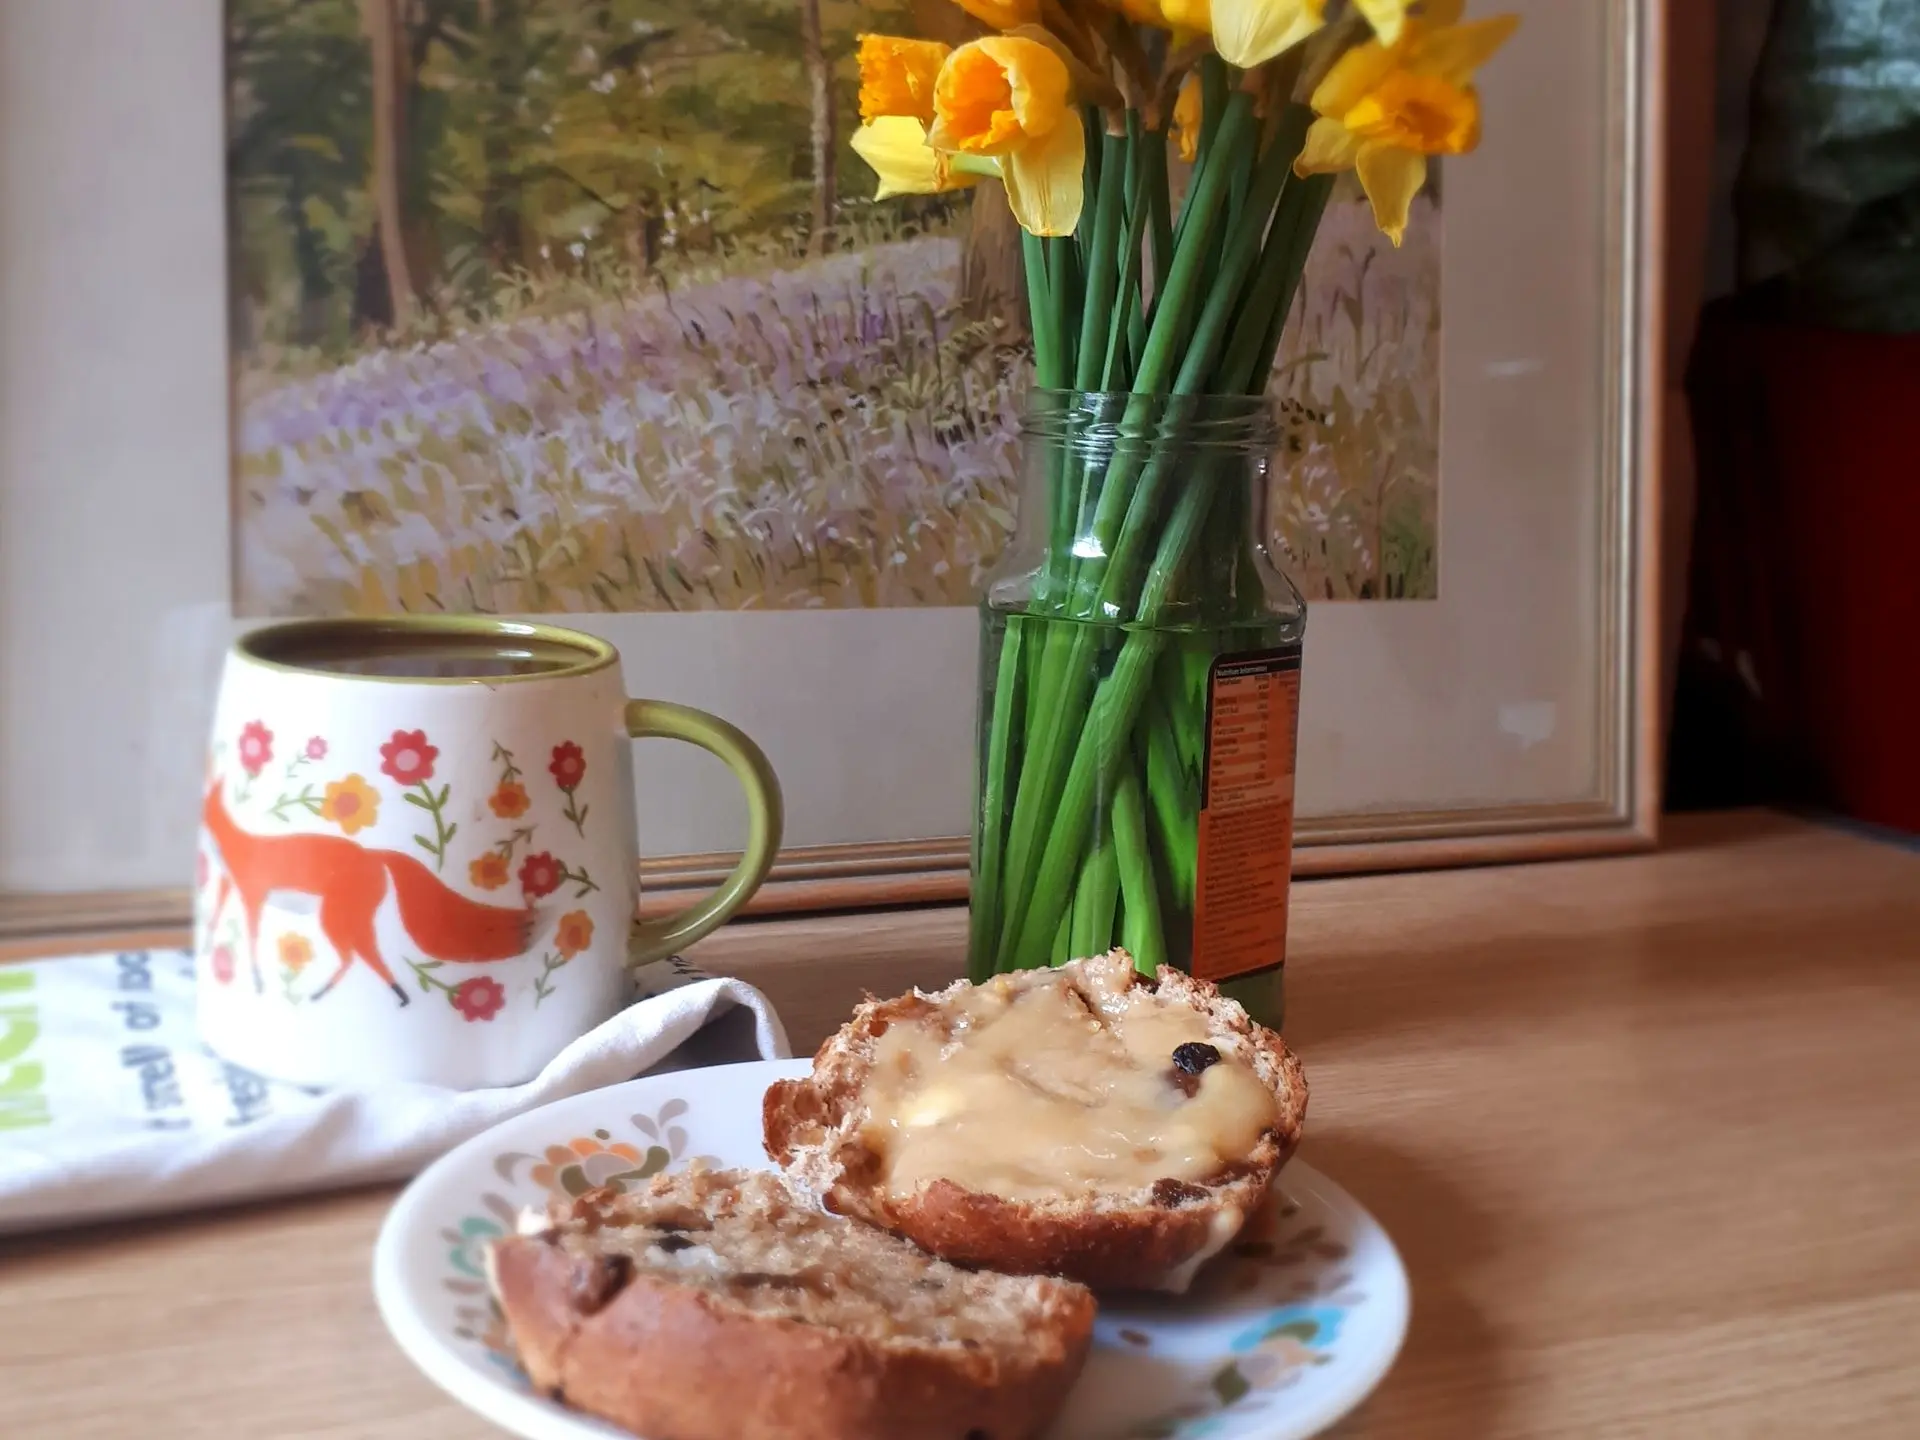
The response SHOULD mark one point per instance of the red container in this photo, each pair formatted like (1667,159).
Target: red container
(1807,562)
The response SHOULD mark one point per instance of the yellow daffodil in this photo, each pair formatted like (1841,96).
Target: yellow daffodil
(896,76)
(1386,16)
(896,147)
(1252,32)
(1384,108)
(1184,17)
(1006,97)
(1002,14)
(1186,118)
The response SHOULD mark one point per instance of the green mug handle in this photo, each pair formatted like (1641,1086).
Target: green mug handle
(652,940)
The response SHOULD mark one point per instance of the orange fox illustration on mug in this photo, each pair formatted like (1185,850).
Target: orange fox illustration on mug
(374,788)
(350,881)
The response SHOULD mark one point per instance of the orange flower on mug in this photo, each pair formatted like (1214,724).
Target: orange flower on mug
(509,801)
(296,951)
(575,934)
(352,804)
(489,872)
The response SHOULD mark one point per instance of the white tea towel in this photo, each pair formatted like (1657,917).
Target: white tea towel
(110,1106)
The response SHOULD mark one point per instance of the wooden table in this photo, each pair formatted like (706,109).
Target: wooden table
(1646,1130)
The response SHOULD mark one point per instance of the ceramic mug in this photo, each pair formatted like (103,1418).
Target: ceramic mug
(418,852)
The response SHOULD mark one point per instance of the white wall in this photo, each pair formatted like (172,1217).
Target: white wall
(113,461)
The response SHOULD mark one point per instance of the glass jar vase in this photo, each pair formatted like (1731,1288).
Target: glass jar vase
(1138,704)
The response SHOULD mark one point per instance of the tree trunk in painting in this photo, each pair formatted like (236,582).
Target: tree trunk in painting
(390,57)
(820,95)
(992,278)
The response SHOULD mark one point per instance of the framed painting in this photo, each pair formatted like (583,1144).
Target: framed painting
(581,309)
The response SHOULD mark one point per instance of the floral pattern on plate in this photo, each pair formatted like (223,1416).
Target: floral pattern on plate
(1280,1336)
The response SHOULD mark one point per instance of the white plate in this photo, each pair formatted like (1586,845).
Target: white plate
(1278,1339)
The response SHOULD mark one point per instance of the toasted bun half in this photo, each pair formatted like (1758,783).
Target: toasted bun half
(1153,1236)
(721,1306)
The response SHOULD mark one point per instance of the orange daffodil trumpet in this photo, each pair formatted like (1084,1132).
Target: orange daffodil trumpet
(896,76)
(1384,108)
(1005,98)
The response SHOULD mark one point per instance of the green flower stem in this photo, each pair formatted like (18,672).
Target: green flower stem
(1140,928)
(1040,309)
(1061,695)
(1102,254)
(1102,278)
(986,863)
(1241,254)
(1081,725)
(443,832)
(1066,284)
(1137,200)
(1310,202)
(1091,171)
(550,963)
(1063,686)
(1095,897)
(1196,374)
(1256,336)
(1102,745)
(1213,106)
(1171,802)
(1189,709)
(1160,218)
(1166,340)
(1213,97)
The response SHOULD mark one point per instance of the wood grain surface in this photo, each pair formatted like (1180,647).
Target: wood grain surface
(1647,1131)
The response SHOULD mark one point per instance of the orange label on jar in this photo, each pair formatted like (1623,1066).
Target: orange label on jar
(1245,859)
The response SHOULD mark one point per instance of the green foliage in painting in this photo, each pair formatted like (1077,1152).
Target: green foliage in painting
(532,143)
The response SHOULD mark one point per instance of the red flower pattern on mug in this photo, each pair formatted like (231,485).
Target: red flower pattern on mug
(221,963)
(316,748)
(256,747)
(479,998)
(408,758)
(539,875)
(569,765)
(569,768)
